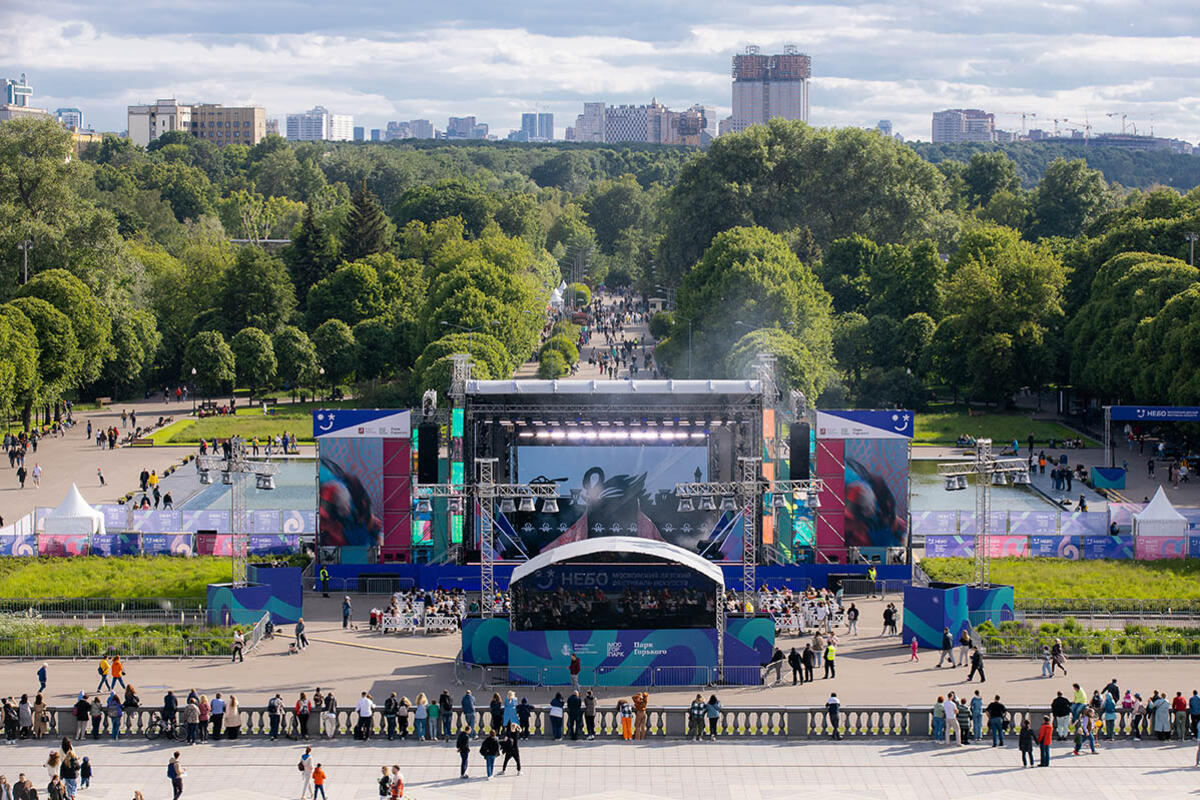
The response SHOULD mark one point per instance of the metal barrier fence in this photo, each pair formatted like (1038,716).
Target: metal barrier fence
(93,647)
(1110,645)
(790,722)
(379,583)
(861,587)
(470,674)
(165,610)
(1140,610)
(258,632)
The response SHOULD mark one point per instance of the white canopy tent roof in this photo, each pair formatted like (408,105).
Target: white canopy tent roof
(73,516)
(620,544)
(1159,518)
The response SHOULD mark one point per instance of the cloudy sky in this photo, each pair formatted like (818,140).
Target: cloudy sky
(1079,61)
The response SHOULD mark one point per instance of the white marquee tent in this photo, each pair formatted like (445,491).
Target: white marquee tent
(73,516)
(1159,518)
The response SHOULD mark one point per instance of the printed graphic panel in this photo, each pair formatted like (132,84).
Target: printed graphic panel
(876,493)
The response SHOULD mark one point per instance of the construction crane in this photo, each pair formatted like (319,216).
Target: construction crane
(1024,115)
(1087,128)
(1120,114)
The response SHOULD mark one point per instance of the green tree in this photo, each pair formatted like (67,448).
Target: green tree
(838,182)
(367,228)
(1007,301)
(254,359)
(352,293)
(337,351)
(1165,345)
(59,358)
(563,345)
(19,366)
(296,357)
(1067,199)
(846,272)
(136,342)
(213,360)
(756,281)
(482,347)
(552,365)
(1128,290)
(437,375)
(312,255)
(90,322)
(795,366)
(986,175)
(451,198)
(376,347)
(255,292)
(614,207)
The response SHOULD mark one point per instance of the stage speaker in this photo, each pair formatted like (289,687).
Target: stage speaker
(798,439)
(427,452)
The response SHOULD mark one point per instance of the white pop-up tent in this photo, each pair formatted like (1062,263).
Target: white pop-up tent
(1159,518)
(73,516)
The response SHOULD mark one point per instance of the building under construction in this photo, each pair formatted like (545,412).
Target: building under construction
(769,86)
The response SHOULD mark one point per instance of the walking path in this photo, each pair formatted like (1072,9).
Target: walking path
(614,770)
(633,330)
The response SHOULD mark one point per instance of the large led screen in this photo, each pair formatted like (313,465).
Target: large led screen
(876,511)
(619,490)
(601,596)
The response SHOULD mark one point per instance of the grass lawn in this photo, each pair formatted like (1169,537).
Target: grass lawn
(944,427)
(97,576)
(1059,579)
(247,422)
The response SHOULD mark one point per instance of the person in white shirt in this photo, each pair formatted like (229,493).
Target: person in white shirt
(307,765)
(365,707)
(953,730)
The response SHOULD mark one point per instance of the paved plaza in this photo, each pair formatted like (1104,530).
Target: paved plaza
(614,770)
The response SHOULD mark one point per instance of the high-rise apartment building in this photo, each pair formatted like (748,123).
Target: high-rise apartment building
(545,126)
(963,125)
(590,125)
(529,127)
(376,135)
(360,133)
(626,123)
(767,87)
(224,125)
(148,122)
(318,125)
(272,127)
(884,126)
(460,128)
(421,129)
(69,117)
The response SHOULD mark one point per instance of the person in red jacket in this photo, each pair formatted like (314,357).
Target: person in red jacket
(1044,737)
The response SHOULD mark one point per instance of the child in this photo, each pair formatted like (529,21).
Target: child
(318,778)
(913,657)
(85,773)
(1025,742)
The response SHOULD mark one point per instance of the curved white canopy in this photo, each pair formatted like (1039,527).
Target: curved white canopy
(620,544)
(74,516)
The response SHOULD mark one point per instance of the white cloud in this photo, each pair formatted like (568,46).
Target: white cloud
(871,60)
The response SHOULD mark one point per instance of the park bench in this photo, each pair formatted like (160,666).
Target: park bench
(103,401)
(143,442)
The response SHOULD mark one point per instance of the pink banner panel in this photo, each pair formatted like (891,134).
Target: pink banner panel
(62,544)
(1152,548)
(1008,545)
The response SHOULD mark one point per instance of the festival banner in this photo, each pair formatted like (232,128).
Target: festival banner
(1084,523)
(67,544)
(1050,546)
(167,544)
(155,521)
(1031,523)
(949,547)
(116,544)
(1152,548)
(1107,547)
(205,519)
(934,523)
(18,544)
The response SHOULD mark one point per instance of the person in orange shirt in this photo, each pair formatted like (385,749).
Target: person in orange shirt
(1044,737)
(117,671)
(318,778)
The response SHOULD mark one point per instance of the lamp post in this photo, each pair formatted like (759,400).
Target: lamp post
(321,378)
(1191,240)
(24,247)
(193,391)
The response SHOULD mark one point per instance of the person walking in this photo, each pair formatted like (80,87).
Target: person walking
(489,750)
(511,747)
(776,663)
(239,644)
(913,650)
(830,655)
(306,767)
(947,648)
(463,745)
(852,620)
(103,668)
(832,709)
(301,639)
(1025,742)
(346,611)
(318,778)
(1058,657)
(176,772)
(976,665)
(573,669)
(964,647)
(116,672)
(41,676)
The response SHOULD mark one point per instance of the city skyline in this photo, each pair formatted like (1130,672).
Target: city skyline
(900,62)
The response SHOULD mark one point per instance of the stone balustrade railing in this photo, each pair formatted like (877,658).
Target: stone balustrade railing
(792,722)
